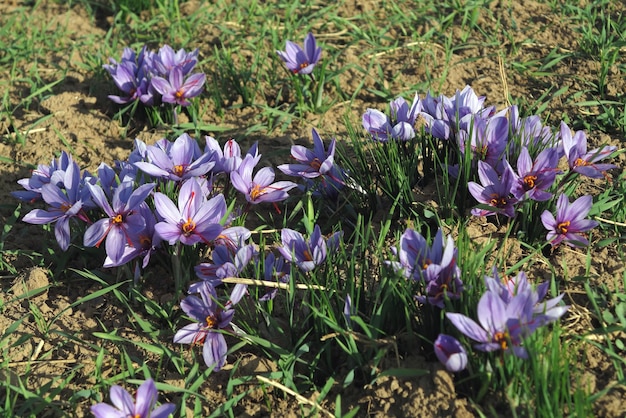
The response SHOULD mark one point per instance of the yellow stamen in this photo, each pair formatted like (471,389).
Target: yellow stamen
(118,219)
(188,227)
(563,227)
(529,181)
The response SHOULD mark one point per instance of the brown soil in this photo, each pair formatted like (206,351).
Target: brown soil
(80,120)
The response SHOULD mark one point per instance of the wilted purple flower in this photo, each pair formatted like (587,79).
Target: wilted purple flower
(533,178)
(194,220)
(181,160)
(210,317)
(298,60)
(581,161)
(493,191)
(177,89)
(65,201)
(261,188)
(502,326)
(399,126)
(450,353)
(144,405)
(306,254)
(124,220)
(569,221)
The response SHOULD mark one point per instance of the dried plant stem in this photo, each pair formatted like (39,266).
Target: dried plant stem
(299,397)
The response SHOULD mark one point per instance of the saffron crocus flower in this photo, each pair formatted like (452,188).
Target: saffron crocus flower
(177,89)
(261,188)
(547,311)
(487,139)
(534,177)
(210,317)
(450,353)
(306,254)
(65,202)
(415,255)
(399,126)
(166,59)
(493,191)
(194,220)
(181,160)
(312,164)
(581,161)
(43,174)
(443,280)
(144,405)
(132,76)
(502,326)
(123,221)
(275,270)
(229,159)
(569,221)
(143,244)
(298,60)
(224,264)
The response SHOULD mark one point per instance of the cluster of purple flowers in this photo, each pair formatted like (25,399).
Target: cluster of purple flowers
(168,193)
(155,77)
(434,266)
(516,159)
(122,210)
(508,312)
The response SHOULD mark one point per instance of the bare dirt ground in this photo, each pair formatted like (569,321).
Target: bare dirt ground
(79,111)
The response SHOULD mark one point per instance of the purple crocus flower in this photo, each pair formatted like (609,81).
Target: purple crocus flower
(225,264)
(210,317)
(493,191)
(502,326)
(144,405)
(569,221)
(581,161)
(229,159)
(261,188)
(306,254)
(450,353)
(194,220)
(415,255)
(143,244)
(65,201)
(166,59)
(132,76)
(399,126)
(533,178)
(312,164)
(548,311)
(275,270)
(123,221)
(298,60)
(443,280)
(176,89)
(43,174)
(181,160)
(487,138)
